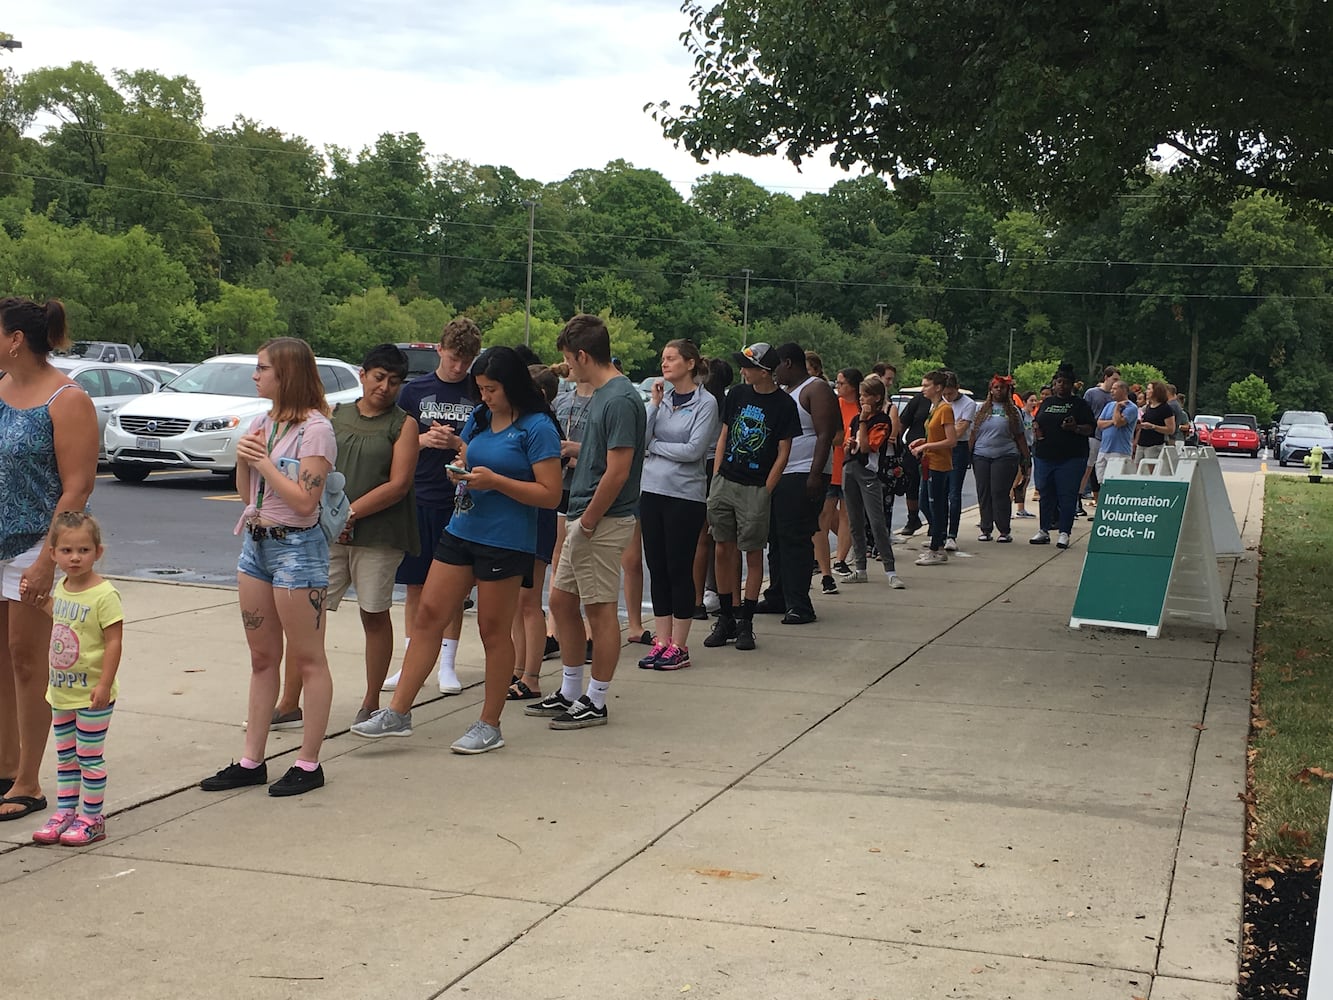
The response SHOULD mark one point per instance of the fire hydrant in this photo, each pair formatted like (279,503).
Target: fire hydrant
(1315,463)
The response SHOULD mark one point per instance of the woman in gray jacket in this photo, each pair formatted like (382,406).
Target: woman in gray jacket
(682,433)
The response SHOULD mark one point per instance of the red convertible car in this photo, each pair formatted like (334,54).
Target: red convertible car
(1226,437)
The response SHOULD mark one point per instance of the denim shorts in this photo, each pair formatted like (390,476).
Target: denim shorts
(298,562)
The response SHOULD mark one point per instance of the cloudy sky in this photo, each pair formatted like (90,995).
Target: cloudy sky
(543,87)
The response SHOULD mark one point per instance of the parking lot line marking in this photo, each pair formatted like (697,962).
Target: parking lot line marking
(158,472)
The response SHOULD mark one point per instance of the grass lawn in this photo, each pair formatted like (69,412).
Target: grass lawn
(1292,740)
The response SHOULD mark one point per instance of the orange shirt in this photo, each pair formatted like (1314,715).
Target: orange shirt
(938,459)
(849,409)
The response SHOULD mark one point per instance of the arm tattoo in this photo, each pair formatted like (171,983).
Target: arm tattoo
(317,602)
(251,619)
(312,483)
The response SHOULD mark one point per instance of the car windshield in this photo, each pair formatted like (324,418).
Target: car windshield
(1308,430)
(228,378)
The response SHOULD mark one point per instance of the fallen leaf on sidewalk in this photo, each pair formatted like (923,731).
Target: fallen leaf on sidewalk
(1265,882)
(196,670)
(1199,726)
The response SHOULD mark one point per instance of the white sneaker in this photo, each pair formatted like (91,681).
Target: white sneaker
(1040,538)
(856,576)
(950,545)
(391,682)
(1062,540)
(712,604)
(896,582)
(929,558)
(449,683)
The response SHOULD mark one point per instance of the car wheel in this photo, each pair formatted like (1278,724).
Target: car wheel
(127,473)
(1282,462)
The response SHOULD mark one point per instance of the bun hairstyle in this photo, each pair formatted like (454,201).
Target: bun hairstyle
(43,326)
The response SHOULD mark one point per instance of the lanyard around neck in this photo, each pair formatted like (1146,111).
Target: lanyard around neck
(276,434)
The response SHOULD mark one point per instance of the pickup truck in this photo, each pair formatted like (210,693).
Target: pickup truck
(102,350)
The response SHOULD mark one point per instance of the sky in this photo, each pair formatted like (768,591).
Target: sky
(545,88)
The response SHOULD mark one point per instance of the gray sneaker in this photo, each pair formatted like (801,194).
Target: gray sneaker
(385,722)
(363,715)
(479,738)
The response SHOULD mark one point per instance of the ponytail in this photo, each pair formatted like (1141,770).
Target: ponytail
(44,326)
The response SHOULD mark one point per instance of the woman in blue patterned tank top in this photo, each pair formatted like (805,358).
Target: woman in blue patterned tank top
(48,462)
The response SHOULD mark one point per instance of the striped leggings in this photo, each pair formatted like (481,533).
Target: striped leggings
(80,769)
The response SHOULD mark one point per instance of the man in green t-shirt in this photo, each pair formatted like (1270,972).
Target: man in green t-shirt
(602,498)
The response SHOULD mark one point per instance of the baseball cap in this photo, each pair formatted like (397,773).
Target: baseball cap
(759,355)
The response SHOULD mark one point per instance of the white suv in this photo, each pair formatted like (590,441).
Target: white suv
(195,421)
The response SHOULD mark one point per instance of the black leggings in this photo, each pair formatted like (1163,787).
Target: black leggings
(671,529)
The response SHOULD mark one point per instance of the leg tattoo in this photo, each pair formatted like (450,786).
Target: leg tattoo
(251,619)
(317,602)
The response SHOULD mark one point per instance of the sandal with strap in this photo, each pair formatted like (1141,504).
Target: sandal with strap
(518,691)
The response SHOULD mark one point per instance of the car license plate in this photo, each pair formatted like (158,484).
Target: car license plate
(148,444)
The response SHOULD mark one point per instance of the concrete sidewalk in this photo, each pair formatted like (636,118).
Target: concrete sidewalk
(936,792)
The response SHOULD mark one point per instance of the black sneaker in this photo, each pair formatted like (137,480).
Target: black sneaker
(552,648)
(745,634)
(297,781)
(701,614)
(549,707)
(724,630)
(910,528)
(581,715)
(767,607)
(235,776)
(841,568)
(794,617)
(830,585)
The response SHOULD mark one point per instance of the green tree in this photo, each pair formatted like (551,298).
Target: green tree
(1252,395)
(912,372)
(1030,376)
(362,321)
(1140,373)
(431,316)
(507,330)
(1061,106)
(242,318)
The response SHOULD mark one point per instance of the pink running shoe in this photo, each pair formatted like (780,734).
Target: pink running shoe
(56,824)
(674,658)
(84,831)
(650,661)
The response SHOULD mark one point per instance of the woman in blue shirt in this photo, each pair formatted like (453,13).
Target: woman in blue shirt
(510,449)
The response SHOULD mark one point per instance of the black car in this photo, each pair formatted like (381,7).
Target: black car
(421,358)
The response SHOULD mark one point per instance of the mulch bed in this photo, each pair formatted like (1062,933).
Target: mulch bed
(1281,899)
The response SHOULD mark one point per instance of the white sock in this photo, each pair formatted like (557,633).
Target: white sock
(571,683)
(597,692)
(448,650)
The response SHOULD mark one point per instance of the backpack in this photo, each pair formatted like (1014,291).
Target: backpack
(333,504)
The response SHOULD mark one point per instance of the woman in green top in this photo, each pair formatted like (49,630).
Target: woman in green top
(379,461)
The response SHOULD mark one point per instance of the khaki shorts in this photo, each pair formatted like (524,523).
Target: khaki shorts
(1105,457)
(369,568)
(1094,446)
(739,514)
(590,567)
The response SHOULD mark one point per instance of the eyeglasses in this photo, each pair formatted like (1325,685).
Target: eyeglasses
(263,368)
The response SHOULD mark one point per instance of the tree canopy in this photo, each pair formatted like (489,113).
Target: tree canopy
(156,228)
(1058,105)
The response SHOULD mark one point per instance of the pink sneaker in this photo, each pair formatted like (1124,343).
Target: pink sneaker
(650,661)
(674,658)
(56,824)
(84,831)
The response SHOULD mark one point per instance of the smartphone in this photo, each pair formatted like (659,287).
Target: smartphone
(458,470)
(290,467)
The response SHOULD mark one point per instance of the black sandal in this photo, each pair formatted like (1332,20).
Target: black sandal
(518,691)
(30,804)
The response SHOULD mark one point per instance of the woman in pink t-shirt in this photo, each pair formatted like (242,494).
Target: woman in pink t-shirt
(283,572)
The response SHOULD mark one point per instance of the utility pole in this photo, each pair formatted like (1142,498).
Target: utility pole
(880,306)
(745,315)
(531,203)
(1010,369)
